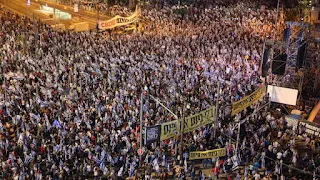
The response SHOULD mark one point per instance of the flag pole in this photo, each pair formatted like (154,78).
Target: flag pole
(141,117)
(238,137)
(181,132)
(216,122)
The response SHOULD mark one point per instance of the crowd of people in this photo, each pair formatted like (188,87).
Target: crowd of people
(69,102)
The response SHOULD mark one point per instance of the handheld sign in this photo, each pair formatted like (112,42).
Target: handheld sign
(140,152)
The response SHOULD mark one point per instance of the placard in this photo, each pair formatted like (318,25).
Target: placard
(152,134)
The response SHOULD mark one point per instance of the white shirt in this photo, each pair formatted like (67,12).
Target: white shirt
(257,176)
(279,155)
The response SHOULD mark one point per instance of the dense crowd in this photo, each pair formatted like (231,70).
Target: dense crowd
(70,101)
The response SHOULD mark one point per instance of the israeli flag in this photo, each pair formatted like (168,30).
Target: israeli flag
(156,165)
(102,166)
(164,161)
(109,158)
(28,159)
(263,162)
(185,165)
(102,158)
(105,171)
(131,170)
(120,172)
(56,124)
(203,177)
(235,161)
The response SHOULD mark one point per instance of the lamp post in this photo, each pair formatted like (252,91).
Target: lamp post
(145,90)
(217,111)
(141,117)
(181,132)
(182,124)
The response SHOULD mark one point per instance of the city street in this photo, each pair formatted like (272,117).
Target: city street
(20,7)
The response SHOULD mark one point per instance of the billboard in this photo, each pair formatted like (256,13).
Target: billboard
(283,95)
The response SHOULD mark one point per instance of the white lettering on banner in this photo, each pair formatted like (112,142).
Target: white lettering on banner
(311,129)
(119,21)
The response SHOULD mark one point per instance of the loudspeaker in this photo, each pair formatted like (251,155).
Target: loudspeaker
(279,64)
(300,56)
(265,64)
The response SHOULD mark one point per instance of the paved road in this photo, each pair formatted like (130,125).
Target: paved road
(24,9)
(21,7)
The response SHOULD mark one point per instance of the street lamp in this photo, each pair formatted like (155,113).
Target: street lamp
(185,106)
(141,117)
(145,93)
(217,112)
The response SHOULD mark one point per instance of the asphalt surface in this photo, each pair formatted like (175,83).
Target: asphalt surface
(20,7)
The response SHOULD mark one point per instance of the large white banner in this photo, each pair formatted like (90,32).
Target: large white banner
(119,21)
(283,95)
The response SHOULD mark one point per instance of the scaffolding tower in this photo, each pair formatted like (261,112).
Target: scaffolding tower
(297,35)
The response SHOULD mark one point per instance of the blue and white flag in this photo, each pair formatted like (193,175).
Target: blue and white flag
(203,177)
(185,165)
(28,159)
(263,162)
(131,170)
(105,170)
(56,124)
(102,166)
(204,132)
(164,161)
(127,163)
(156,165)
(109,158)
(120,172)
(101,159)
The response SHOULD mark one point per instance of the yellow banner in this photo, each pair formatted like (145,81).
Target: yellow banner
(172,128)
(207,154)
(169,130)
(120,21)
(247,101)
